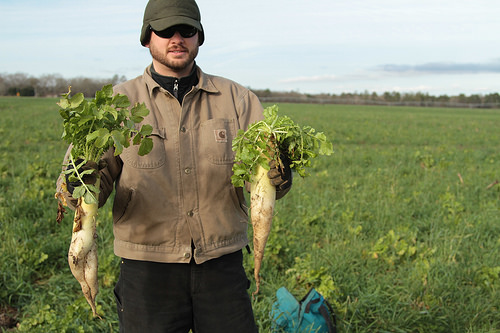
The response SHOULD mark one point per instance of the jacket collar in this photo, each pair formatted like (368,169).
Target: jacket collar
(204,83)
(176,86)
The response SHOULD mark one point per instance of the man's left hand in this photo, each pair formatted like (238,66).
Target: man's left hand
(280,174)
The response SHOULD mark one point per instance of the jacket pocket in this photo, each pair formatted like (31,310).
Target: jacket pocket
(154,159)
(216,137)
(122,203)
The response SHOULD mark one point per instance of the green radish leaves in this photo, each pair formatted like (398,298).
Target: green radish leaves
(275,135)
(94,126)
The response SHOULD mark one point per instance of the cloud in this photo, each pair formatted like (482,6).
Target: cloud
(442,68)
(387,71)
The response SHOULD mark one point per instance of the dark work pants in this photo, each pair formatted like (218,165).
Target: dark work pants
(173,298)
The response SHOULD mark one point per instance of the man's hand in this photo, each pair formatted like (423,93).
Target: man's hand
(280,174)
(87,178)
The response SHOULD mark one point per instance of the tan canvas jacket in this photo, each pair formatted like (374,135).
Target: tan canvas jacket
(181,194)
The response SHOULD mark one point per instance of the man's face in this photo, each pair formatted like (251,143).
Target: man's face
(173,56)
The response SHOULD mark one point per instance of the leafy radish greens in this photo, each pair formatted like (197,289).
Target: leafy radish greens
(274,135)
(92,127)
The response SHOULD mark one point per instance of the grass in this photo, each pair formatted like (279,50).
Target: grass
(398,229)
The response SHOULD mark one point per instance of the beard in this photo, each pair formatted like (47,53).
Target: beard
(176,65)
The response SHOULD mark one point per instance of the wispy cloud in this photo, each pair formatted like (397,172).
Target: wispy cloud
(403,70)
(442,68)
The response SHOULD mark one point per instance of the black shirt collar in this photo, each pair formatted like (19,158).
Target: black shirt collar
(178,87)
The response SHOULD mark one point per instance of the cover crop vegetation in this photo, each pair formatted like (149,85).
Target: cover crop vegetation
(384,228)
(272,139)
(91,128)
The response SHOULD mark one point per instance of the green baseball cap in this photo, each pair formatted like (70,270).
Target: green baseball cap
(162,14)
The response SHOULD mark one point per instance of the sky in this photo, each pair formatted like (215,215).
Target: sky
(308,46)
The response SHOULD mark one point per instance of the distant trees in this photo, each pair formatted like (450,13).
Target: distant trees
(22,84)
(387,98)
(54,85)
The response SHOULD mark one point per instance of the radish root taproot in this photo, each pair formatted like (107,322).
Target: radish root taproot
(262,199)
(82,253)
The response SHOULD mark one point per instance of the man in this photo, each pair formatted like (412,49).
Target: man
(179,223)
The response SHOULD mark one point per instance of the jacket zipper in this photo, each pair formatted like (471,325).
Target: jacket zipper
(176,88)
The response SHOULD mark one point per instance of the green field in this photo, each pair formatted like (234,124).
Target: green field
(399,229)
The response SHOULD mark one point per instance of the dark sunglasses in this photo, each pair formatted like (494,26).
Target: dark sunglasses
(186,31)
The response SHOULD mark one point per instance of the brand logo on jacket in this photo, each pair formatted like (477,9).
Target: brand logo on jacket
(220,135)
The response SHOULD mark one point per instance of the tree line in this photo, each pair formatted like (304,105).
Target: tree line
(53,85)
(491,100)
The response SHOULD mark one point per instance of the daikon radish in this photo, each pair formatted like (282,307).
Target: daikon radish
(91,128)
(262,142)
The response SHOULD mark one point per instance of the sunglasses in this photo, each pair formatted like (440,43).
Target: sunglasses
(186,31)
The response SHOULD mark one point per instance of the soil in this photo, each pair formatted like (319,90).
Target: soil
(8,317)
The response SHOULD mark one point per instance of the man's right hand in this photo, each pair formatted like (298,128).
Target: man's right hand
(87,178)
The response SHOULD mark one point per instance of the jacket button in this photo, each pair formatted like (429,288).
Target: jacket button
(190,213)
(183,129)
(187,255)
(187,171)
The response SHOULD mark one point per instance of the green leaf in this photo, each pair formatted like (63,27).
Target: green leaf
(239,171)
(83,120)
(63,103)
(136,119)
(146,130)
(99,113)
(86,172)
(237,181)
(121,101)
(126,134)
(108,90)
(101,132)
(103,96)
(68,171)
(111,110)
(326,148)
(137,139)
(103,138)
(118,141)
(139,110)
(78,192)
(129,124)
(146,146)
(72,177)
(76,100)
(89,198)
(118,136)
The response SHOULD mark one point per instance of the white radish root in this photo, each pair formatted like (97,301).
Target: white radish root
(262,199)
(82,254)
